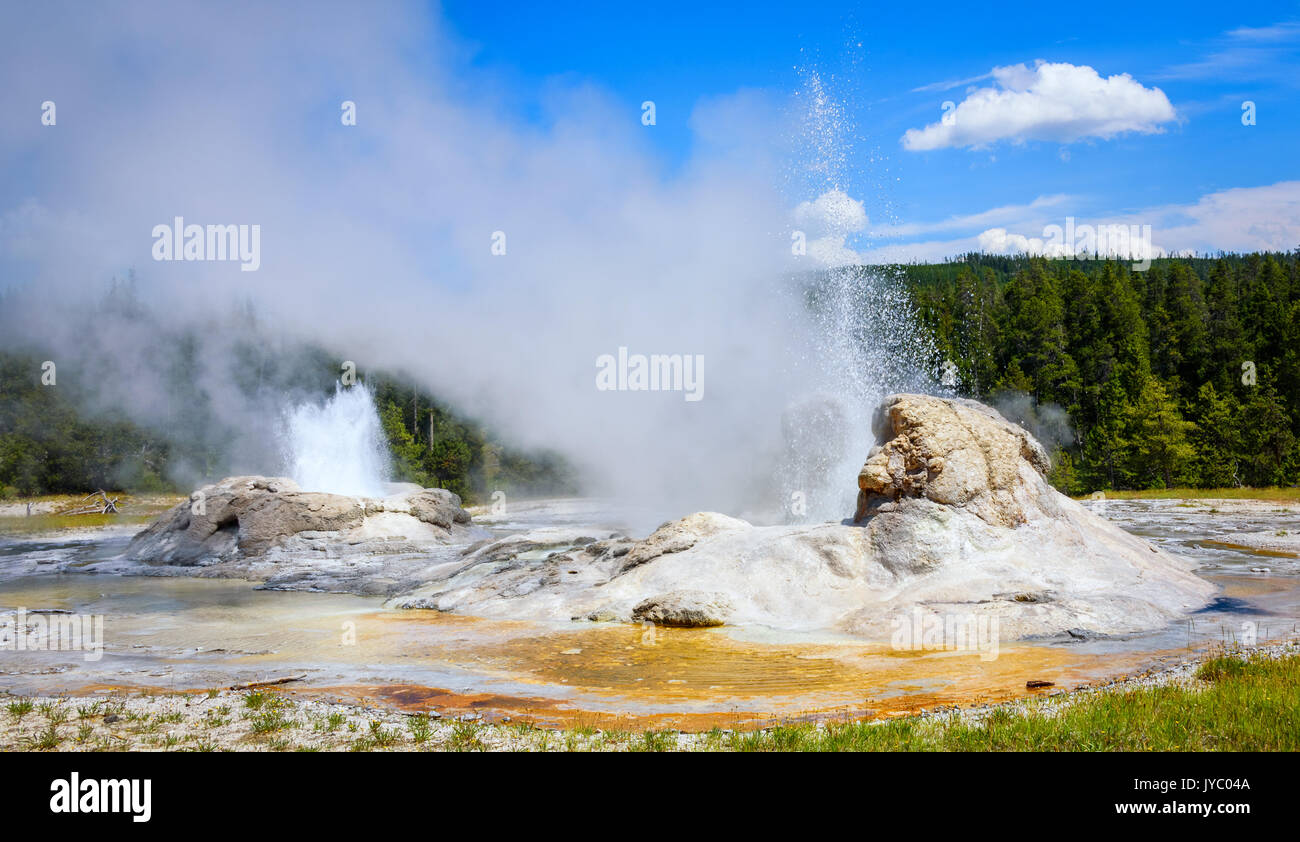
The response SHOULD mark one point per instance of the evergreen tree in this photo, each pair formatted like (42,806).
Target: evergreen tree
(1217,438)
(1268,444)
(1160,451)
(402,446)
(1184,352)
(1227,347)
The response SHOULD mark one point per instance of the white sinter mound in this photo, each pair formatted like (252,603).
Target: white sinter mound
(955,519)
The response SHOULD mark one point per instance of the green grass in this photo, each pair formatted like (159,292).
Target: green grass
(376,738)
(45,740)
(270,721)
(259,699)
(20,708)
(419,727)
(1242,704)
(330,723)
(465,737)
(56,714)
(1233,702)
(655,741)
(205,746)
(381,736)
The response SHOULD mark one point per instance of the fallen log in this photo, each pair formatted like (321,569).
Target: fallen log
(251,685)
(105,506)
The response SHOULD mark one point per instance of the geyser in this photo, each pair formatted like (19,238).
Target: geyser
(957,521)
(337,447)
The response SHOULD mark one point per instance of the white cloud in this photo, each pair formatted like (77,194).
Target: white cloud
(1240,219)
(1277,32)
(1058,102)
(1001,241)
(1082,238)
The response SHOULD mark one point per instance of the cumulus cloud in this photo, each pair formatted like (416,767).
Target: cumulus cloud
(1244,219)
(1052,101)
(1265,218)
(1002,241)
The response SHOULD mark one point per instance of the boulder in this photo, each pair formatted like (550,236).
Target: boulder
(688,609)
(956,452)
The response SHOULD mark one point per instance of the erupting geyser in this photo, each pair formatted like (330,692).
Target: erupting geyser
(337,447)
(956,519)
(337,512)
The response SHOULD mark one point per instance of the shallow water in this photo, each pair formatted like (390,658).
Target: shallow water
(186,634)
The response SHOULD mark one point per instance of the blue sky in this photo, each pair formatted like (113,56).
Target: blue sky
(887,64)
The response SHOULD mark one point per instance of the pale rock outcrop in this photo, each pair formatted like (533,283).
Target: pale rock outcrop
(244,519)
(956,519)
(677,536)
(957,452)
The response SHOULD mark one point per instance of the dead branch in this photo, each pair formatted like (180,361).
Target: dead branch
(250,685)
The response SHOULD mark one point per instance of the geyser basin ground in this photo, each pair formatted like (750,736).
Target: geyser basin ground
(181,633)
(543,612)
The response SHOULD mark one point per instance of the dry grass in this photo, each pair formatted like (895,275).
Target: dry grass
(48,512)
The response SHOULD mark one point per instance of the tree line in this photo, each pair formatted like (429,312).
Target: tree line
(1187,374)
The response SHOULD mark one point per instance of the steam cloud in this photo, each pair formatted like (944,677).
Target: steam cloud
(1047,422)
(376,238)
